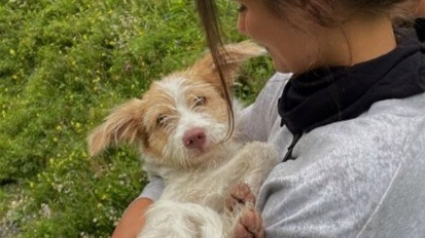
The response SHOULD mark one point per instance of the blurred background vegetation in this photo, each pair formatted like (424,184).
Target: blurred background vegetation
(63,65)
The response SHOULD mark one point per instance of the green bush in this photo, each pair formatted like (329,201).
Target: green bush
(63,65)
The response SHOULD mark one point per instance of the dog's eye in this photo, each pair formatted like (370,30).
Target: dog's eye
(200,100)
(161,120)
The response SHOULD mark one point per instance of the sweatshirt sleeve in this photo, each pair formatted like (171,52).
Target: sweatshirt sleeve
(153,189)
(256,121)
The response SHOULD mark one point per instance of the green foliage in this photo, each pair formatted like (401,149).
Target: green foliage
(63,65)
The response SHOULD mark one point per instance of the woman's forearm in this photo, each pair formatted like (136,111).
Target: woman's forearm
(133,219)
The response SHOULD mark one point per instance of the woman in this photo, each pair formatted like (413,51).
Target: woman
(349,122)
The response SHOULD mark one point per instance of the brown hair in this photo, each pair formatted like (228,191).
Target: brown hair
(207,10)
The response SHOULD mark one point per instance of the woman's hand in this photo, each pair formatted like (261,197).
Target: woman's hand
(250,222)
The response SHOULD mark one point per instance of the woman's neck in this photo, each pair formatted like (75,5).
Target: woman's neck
(358,40)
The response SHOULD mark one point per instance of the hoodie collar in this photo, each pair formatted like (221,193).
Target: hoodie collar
(324,96)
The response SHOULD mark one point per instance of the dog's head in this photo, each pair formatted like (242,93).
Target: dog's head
(181,118)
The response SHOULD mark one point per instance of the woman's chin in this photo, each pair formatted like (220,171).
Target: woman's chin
(281,68)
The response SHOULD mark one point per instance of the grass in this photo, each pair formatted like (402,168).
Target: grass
(63,65)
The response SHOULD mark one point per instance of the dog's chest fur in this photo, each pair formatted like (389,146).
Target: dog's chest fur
(205,185)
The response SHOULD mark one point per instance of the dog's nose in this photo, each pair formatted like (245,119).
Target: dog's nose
(194,138)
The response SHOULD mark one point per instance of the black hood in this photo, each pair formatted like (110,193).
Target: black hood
(324,96)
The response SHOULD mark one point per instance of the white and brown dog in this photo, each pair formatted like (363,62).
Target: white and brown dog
(179,126)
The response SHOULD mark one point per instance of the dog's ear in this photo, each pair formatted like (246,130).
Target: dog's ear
(233,56)
(124,124)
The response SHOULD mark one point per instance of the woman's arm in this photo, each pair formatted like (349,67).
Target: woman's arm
(133,219)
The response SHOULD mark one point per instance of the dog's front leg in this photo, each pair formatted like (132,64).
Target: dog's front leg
(258,159)
(250,165)
(246,220)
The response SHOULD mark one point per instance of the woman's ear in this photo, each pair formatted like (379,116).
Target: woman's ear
(232,56)
(124,124)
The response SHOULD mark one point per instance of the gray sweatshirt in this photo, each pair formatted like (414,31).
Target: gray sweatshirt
(363,177)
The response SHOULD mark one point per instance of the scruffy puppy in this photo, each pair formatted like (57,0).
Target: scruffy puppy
(179,126)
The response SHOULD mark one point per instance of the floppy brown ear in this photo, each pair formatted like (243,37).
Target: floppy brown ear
(233,56)
(122,125)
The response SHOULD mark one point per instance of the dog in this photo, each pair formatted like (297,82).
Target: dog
(180,126)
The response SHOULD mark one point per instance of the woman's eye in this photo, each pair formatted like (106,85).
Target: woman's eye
(161,120)
(199,101)
(241,8)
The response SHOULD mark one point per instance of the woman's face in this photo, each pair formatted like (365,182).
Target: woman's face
(292,41)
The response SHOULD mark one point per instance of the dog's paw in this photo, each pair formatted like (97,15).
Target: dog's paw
(240,194)
(250,225)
